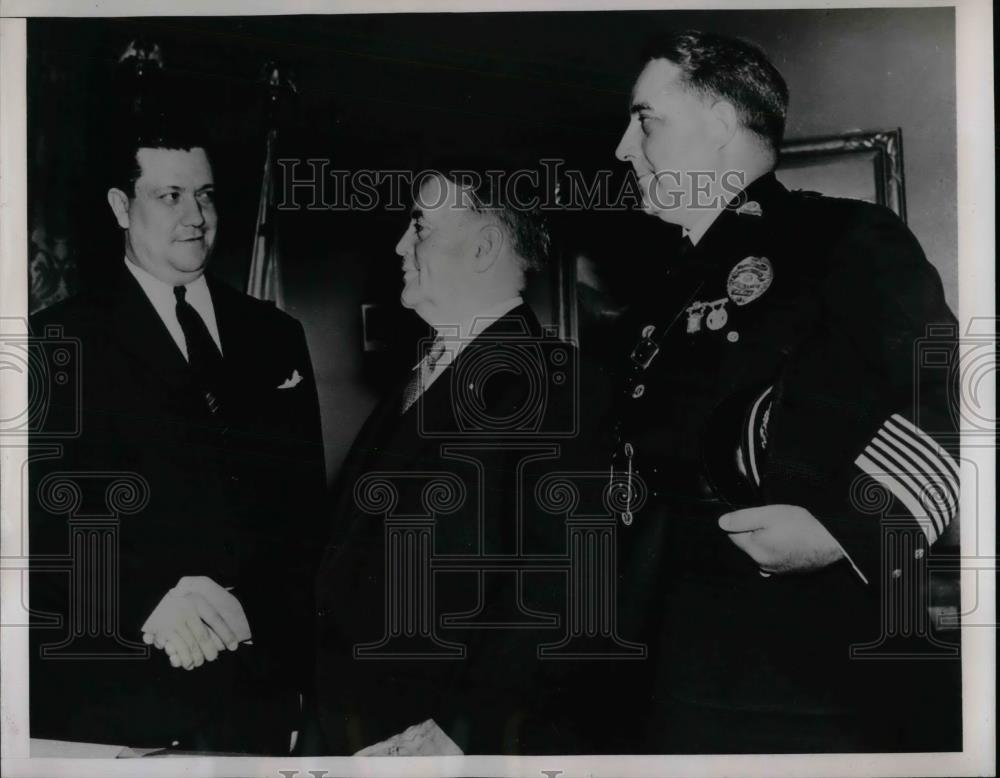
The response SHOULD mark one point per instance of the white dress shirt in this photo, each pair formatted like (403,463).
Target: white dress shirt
(161,295)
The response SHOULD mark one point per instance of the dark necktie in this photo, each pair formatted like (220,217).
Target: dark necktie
(684,246)
(204,357)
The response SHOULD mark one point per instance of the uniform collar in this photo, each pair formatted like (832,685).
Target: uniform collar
(698,230)
(749,208)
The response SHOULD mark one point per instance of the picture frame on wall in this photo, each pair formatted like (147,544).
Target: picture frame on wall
(859,165)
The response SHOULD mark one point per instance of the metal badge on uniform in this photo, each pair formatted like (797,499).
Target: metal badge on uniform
(749,279)
(717,316)
(648,330)
(695,312)
(751,208)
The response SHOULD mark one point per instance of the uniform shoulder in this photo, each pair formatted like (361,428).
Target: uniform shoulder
(843,233)
(820,206)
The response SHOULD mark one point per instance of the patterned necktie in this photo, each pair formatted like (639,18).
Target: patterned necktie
(204,356)
(421,374)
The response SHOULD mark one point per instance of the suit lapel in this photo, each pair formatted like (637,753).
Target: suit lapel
(437,404)
(394,440)
(141,332)
(235,327)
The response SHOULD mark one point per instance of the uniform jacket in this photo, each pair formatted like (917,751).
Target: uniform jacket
(780,363)
(230,498)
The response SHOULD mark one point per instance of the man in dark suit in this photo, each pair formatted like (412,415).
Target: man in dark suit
(801,459)
(173,589)
(445,467)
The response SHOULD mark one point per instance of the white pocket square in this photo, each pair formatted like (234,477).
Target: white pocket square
(291,382)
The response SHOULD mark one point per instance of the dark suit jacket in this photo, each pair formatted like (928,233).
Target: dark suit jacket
(233,500)
(476,683)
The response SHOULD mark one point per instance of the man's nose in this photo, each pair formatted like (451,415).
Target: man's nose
(403,247)
(624,152)
(194,214)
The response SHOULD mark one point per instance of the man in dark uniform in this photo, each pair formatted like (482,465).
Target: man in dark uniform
(788,447)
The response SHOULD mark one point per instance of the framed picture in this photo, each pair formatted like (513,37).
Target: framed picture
(863,166)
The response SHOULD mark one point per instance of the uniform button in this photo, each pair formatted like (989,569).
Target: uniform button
(175,743)
(918,554)
(648,331)
(639,391)
(732,336)
(897,573)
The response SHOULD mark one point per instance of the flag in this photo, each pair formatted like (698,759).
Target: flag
(265,265)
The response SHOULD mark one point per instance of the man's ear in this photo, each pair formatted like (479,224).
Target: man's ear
(489,246)
(118,201)
(725,121)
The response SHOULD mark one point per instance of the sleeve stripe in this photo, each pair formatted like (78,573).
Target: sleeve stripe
(920,485)
(934,454)
(929,465)
(932,444)
(900,492)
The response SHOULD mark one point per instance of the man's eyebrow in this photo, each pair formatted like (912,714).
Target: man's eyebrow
(640,107)
(203,187)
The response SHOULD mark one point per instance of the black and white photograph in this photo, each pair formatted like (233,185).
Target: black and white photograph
(552,390)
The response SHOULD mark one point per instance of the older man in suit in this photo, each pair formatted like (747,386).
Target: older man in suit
(457,448)
(202,400)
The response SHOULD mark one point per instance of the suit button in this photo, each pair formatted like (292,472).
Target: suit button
(897,573)
(639,391)
(918,554)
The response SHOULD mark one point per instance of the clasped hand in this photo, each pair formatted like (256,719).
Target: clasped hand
(782,538)
(195,621)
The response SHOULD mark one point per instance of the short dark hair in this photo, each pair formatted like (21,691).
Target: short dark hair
(150,130)
(731,69)
(496,191)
